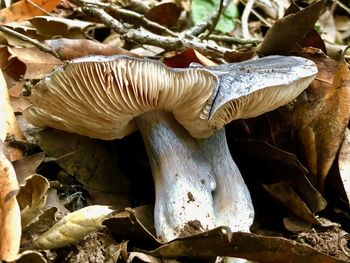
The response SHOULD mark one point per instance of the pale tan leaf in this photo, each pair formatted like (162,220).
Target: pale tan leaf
(32,198)
(10,219)
(143,257)
(38,63)
(74,227)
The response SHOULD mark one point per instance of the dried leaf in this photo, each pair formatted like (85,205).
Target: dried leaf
(30,256)
(166,14)
(32,198)
(73,227)
(184,59)
(38,63)
(23,10)
(26,166)
(74,48)
(221,242)
(90,161)
(53,26)
(284,193)
(8,122)
(284,35)
(135,224)
(10,218)
(320,116)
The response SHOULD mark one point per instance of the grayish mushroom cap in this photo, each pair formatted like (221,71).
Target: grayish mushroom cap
(251,88)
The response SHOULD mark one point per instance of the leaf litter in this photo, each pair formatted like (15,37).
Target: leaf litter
(293,160)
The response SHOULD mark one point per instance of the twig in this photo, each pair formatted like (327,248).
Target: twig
(234,40)
(34,42)
(347,9)
(131,15)
(142,37)
(245,16)
(215,18)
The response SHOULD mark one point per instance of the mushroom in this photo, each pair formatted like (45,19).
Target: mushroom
(197,184)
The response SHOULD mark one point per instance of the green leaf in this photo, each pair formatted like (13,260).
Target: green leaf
(203,9)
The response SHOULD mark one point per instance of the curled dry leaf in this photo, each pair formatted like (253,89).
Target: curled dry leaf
(75,48)
(73,227)
(52,26)
(10,218)
(30,256)
(23,10)
(166,14)
(32,198)
(38,63)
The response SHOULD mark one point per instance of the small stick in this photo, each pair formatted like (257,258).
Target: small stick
(234,40)
(34,42)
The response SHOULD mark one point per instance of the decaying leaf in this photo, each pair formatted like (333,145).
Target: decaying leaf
(166,14)
(75,48)
(320,116)
(143,257)
(52,26)
(184,59)
(26,166)
(73,227)
(30,256)
(10,217)
(222,242)
(284,35)
(32,198)
(38,63)
(23,10)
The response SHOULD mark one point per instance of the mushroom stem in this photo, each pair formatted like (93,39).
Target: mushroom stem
(233,206)
(182,177)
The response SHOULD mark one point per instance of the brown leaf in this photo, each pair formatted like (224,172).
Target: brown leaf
(285,194)
(23,10)
(10,218)
(222,242)
(8,122)
(26,166)
(38,63)
(284,35)
(184,59)
(52,26)
(320,116)
(75,48)
(166,14)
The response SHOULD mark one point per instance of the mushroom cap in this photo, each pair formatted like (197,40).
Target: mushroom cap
(251,88)
(99,96)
